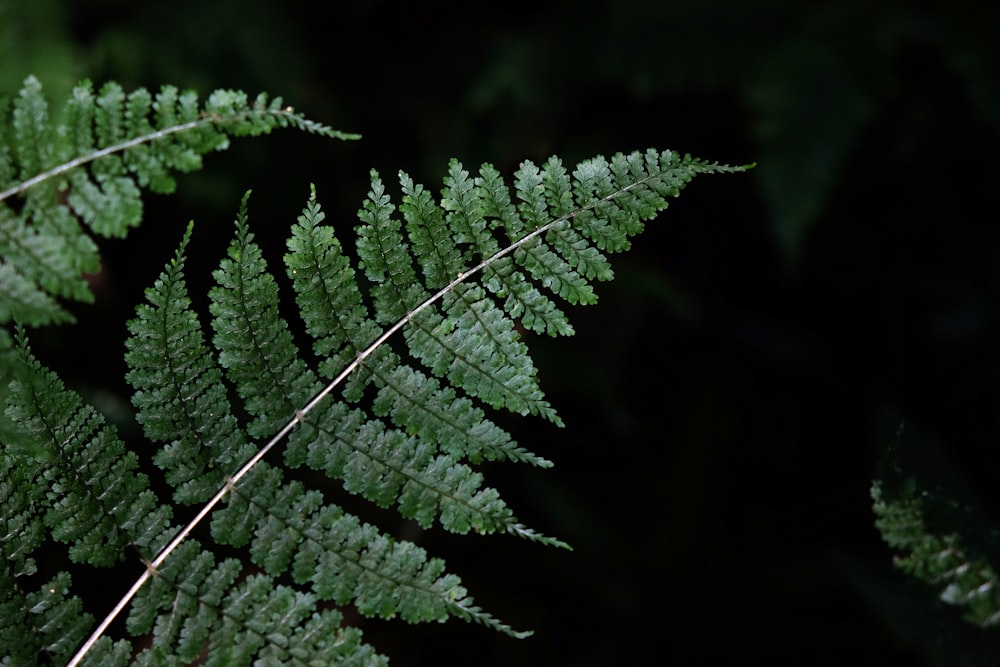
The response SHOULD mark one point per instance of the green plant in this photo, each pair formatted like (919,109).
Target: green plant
(459,277)
(939,541)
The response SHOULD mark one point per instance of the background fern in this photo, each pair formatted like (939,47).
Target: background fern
(947,545)
(941,543)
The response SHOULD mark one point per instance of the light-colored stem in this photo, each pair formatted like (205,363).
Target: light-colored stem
(131,143)
(96,155)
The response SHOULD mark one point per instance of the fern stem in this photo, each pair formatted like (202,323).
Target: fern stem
(96,155)
(131,143)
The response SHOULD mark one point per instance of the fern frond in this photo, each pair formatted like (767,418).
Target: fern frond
(95,501)
(336,317)
(544,265)
(105,653)
(471,341)
(72,472)
(129,141)
(463,206)
(386,466)
(461,321)
(7,169)
(42,625)
(30,122)
(477,348)
(940,543)
(23,298)
(264,620)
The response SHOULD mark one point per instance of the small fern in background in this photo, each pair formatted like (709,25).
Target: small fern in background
(939,541)
(399,423)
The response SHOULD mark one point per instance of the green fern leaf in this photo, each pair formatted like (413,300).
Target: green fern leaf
(344,560)
(51,609)
(8,171)
(30,121)
(105,653)
(382,465)
(21,529)
(329,299)
(471,343)
(43,624)
(544,265)
(426,226)
(277,517)
(385,257)
(43,259)
(523,300)
(323,640)
(460,295)
(99,505)
(326,290)
(255,346)
(268,613)
(91,499)
(418,404)
(110,127)
(336,317)
(109,205)
(91,166)
(23,298)
(197,603)
(463,204)
(180,397)
(189,588)
(96,501)
(477,348)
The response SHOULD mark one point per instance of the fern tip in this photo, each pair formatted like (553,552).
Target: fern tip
(523,531)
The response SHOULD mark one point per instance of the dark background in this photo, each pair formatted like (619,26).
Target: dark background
(727,401)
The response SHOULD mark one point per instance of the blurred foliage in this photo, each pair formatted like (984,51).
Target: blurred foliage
(35,39)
